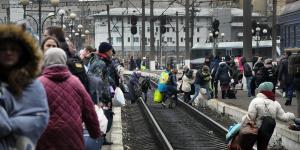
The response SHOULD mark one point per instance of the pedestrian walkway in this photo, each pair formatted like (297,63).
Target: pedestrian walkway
(115,134)
(237,108)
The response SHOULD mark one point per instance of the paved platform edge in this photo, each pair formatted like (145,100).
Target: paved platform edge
(115,135)
(281,136)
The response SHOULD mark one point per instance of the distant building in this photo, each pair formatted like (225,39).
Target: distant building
(290,26)
(231,24)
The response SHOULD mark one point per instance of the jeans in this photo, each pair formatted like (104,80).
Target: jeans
(289,92)
(145,97)
(197,90)
(248,80)
(90,143)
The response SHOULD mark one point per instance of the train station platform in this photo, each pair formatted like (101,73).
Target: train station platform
(115,134)
(237,108)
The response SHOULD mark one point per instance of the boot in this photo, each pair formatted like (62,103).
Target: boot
(223,94)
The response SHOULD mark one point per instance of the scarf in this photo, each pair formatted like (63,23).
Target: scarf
(269,94)
(104,57)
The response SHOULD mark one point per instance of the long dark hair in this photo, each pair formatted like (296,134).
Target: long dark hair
(49,38)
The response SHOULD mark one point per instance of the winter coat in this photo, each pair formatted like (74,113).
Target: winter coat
(204,79)
(134,87)
(262,106)
(70,105)
(24,113)
(259,73)
(214,67)
(197,77)
(223,74)
(23,119)
(99,66)
(283,74)
(246,67)
(270,73)
(172,83)
(186,84)
(294,69)
(132,65)
(145,85)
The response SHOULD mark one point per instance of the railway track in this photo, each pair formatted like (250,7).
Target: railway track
(182,127)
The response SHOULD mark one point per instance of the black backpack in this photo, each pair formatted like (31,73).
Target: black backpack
(76,67)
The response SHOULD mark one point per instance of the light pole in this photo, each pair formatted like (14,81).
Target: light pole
(24,3)
(79,27)
(87,32)
(259,36)
(222,36)
(61,13)
(72,17)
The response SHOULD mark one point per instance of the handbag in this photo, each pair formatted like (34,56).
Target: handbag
(248,134)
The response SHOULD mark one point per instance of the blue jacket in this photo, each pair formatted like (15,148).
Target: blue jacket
(23,119)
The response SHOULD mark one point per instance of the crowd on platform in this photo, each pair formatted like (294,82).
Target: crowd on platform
(53,96)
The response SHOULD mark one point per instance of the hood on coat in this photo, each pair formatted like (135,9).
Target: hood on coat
(57,73)
(30,62)
(222,64)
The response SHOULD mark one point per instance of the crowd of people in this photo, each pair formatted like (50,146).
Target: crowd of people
(51,94)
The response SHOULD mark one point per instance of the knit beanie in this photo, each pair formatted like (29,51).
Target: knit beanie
(55,56)
(104,47)
(266,86)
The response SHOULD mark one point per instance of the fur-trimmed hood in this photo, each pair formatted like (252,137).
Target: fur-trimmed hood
(30,62)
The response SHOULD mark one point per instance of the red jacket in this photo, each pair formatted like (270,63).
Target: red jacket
(69,105)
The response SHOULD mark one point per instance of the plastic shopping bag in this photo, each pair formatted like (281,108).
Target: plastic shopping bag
(119,97)
(158,96)
(101,118)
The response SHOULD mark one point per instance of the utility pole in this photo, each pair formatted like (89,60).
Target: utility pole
(247,42)
(8,15)
(187,31)
(123,51)
(152,47)
(108,24)
(40,22)
(177,39)
(192,24)
(143,29)
(274,30)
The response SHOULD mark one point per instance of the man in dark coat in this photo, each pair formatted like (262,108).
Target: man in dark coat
(286,80)
(99,66)
(214,67)
(294,70)
(134,87)
(223,75)
(248,76)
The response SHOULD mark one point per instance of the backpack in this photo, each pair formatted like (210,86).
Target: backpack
(77,68)
(164,77)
